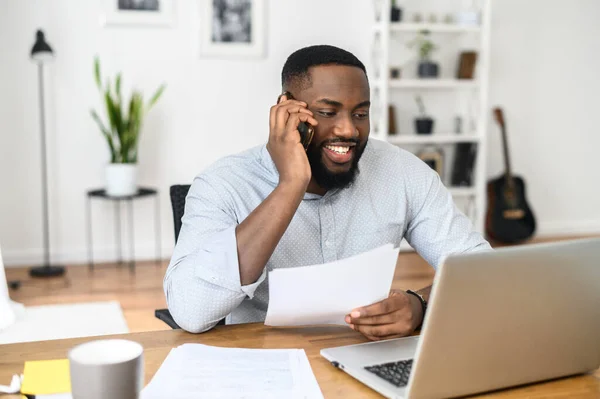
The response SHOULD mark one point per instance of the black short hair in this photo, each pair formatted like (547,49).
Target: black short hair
(297,65)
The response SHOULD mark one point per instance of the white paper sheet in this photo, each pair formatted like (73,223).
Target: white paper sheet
(325,294)
(199,371)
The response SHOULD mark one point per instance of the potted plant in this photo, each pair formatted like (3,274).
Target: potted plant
(427,68)
(396,12)
(122,132)
(423,124)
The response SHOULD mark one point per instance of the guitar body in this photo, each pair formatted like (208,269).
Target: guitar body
(509,218)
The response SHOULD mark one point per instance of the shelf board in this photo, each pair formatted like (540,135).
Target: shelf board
(433,84)
(431,27)
(435,138)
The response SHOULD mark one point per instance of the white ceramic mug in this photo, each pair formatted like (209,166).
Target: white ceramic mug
(111,368)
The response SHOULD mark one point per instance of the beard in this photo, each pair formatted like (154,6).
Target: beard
(327,179)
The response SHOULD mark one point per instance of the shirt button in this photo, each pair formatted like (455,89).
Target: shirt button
(327,243)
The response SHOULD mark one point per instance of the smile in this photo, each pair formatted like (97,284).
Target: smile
(338,149)
(339,153)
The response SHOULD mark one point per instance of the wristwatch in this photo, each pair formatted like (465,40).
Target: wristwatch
(423,304)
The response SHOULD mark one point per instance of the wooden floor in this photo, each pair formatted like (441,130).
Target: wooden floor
(140,293)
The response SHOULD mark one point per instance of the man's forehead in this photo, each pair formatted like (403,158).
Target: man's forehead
(341,75)
(338,80)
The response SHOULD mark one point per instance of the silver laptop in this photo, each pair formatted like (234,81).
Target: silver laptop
(495,319)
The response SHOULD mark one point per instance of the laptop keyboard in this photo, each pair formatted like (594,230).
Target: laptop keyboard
(395,372)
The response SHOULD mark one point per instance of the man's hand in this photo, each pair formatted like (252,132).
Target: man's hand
(284,143)
(394,317)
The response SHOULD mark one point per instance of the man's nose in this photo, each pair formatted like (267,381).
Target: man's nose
(345,128)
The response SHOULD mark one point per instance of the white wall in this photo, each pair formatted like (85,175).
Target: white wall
(544,72)
(543,63)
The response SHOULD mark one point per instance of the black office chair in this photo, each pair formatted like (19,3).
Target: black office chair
(178,194)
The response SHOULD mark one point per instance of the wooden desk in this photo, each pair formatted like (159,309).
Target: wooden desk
(333,382)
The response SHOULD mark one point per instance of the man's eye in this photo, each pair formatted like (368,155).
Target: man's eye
(362,115)
(327,114)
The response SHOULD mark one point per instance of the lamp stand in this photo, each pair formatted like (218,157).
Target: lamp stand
(46,269)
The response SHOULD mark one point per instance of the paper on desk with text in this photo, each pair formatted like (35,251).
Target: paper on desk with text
(325,294)
(200,371)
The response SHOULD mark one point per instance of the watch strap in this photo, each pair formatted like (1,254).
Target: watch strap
(423,304)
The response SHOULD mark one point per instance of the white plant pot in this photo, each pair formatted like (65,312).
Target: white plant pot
(121,179)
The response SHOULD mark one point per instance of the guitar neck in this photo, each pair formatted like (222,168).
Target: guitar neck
(508,171)
(507,166)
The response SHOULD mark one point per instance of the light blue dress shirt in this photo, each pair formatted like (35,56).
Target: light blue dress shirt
(394,196)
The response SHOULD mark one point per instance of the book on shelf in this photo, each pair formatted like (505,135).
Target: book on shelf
(464,162)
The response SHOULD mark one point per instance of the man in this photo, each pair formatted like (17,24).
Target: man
(279,206)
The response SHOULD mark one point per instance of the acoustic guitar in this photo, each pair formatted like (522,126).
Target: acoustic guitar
(509,219)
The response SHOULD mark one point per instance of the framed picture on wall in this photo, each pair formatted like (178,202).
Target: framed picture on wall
(233,28)
(138,12)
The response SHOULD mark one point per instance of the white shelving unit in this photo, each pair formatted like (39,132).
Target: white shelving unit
(466,98)
(430,84)
(432,27)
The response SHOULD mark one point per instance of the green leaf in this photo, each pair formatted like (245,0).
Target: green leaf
(97,72)
(156,96)
(107,134)
(111,112)
(118,87)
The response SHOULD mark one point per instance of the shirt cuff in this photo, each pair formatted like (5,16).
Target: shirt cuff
(217,263)
(250,288)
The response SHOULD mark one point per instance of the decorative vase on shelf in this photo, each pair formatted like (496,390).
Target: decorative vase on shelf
(122,133)
(423,124)
(426,68)
(469,16)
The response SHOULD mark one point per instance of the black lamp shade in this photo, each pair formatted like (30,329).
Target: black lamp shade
(41,50)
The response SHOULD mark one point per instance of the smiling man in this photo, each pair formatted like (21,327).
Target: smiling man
(279,206)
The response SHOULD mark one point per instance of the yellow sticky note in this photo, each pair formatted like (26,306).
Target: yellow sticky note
(46,377)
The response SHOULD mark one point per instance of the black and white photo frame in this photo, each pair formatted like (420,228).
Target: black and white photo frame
(233,28)
(149,13)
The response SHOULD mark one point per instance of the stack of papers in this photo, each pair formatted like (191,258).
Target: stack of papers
(326,293)
(199,371)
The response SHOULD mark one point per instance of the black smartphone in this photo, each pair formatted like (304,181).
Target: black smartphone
(306,130)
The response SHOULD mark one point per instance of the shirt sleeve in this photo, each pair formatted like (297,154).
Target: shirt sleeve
(436,227)
(202,283)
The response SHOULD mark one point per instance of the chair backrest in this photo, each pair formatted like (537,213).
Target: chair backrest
(178,193)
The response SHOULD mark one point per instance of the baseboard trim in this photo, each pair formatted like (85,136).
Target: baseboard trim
(32,257)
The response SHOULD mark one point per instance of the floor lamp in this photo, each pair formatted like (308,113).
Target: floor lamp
(41,53)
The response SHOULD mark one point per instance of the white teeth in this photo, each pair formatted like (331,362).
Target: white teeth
(338,149)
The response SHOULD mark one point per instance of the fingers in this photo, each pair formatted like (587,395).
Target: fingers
(385,331)
(280,113)
(294,120)
(283,113)
(388,318)
(283,102)
(388,305)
